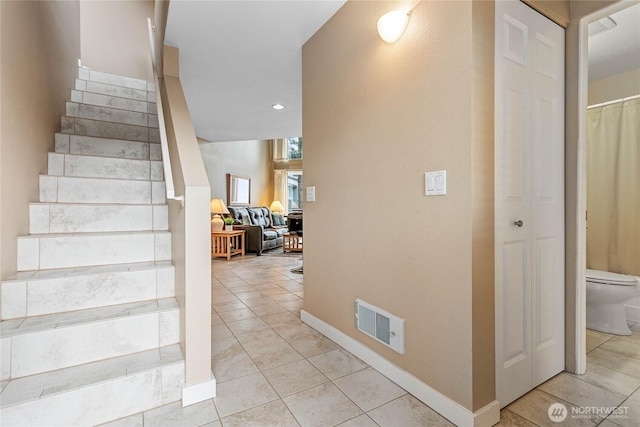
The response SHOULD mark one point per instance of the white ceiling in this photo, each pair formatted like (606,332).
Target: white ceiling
(616,50)
(239,57)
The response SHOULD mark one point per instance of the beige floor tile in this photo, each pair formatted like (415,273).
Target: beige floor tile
(174,415)
(295,330)
(215,319)
(510,419)
(407,411)
(233,366)
(228,306)
(222,297)
(534,407)
(273,356)
(235,315)
(225,347)
(629,413)
(242,327)
(361,421)
(280,319)
(623,347)
(294,377)
(580,393)
(220,331)
(285,297)
(321,406)
(337,363)
(242,394)
(257,302)
(369,388)
(611,380)
(268,309)
(313,345)
(615,361)
(254,341)
(272,414)
(595,338)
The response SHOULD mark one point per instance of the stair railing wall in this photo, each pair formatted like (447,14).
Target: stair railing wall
(189,223)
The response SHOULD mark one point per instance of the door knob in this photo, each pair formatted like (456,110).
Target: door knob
(518,223)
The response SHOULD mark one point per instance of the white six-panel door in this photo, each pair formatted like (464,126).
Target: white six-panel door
(529,197)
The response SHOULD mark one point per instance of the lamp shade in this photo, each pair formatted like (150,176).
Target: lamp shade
(218,207)
(392,24)
(276,206)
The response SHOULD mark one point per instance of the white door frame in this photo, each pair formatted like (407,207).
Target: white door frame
(581,253)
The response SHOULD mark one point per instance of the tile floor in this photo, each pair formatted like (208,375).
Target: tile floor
(273,370)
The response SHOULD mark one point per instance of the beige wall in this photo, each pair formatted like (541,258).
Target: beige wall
(115,37)
(40,48)
(405,109)
(247,158)
(615,87)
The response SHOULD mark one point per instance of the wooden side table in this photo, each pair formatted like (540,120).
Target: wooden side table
(225,244)
(291,243)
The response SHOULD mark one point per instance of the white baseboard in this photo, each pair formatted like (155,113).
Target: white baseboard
(453,411)
(200,392)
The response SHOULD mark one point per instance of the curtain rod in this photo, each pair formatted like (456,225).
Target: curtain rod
(615,101)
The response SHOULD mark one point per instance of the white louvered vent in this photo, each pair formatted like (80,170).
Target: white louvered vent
(380,325)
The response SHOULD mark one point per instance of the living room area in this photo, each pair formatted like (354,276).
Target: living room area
(257,192)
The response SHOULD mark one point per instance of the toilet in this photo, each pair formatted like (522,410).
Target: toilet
(606,295)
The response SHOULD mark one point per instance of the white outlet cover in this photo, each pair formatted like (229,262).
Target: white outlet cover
(311,194)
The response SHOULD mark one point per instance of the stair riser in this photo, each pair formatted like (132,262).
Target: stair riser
(100,100)
(101,402)
(38,252)
(111,90)
(103,167)
(33,353)
(115,80)
(89,127)
(57,295)
(111,115)
(72,218)
(94,190)
(95,146)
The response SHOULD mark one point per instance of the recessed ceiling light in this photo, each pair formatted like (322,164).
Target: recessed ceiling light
(277,106)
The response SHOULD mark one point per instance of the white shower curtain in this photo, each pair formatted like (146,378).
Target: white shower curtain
(613,188)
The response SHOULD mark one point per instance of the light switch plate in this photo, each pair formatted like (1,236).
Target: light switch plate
(311,193)
(435,183)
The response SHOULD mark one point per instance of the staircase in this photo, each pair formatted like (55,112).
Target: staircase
(90,323)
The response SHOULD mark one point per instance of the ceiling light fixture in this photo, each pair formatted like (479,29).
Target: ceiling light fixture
(392,24)
(277,106)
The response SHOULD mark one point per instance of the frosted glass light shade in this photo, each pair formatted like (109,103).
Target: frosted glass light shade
(392,24)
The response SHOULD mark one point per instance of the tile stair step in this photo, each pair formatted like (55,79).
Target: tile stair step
(88,74)
(113,101)
(90,166)
(85,217)
(41,292)
(65,189)
(51,251)
(107,89)
(105,147)
(104,129)
(34,345)
(111,115)
(96,392)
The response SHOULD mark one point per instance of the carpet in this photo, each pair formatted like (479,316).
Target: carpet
(279,252)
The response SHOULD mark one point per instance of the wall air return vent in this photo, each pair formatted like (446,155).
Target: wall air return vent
(380,325)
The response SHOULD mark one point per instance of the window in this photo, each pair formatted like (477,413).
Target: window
(294,148)
(294,191)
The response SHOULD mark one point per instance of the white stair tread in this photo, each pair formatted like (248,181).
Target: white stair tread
(38,386)
(82,271)
(72,318)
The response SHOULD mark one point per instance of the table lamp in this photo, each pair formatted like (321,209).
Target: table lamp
(217,207)
(276,207)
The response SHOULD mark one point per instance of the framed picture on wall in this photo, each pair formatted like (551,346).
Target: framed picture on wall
(238,190)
